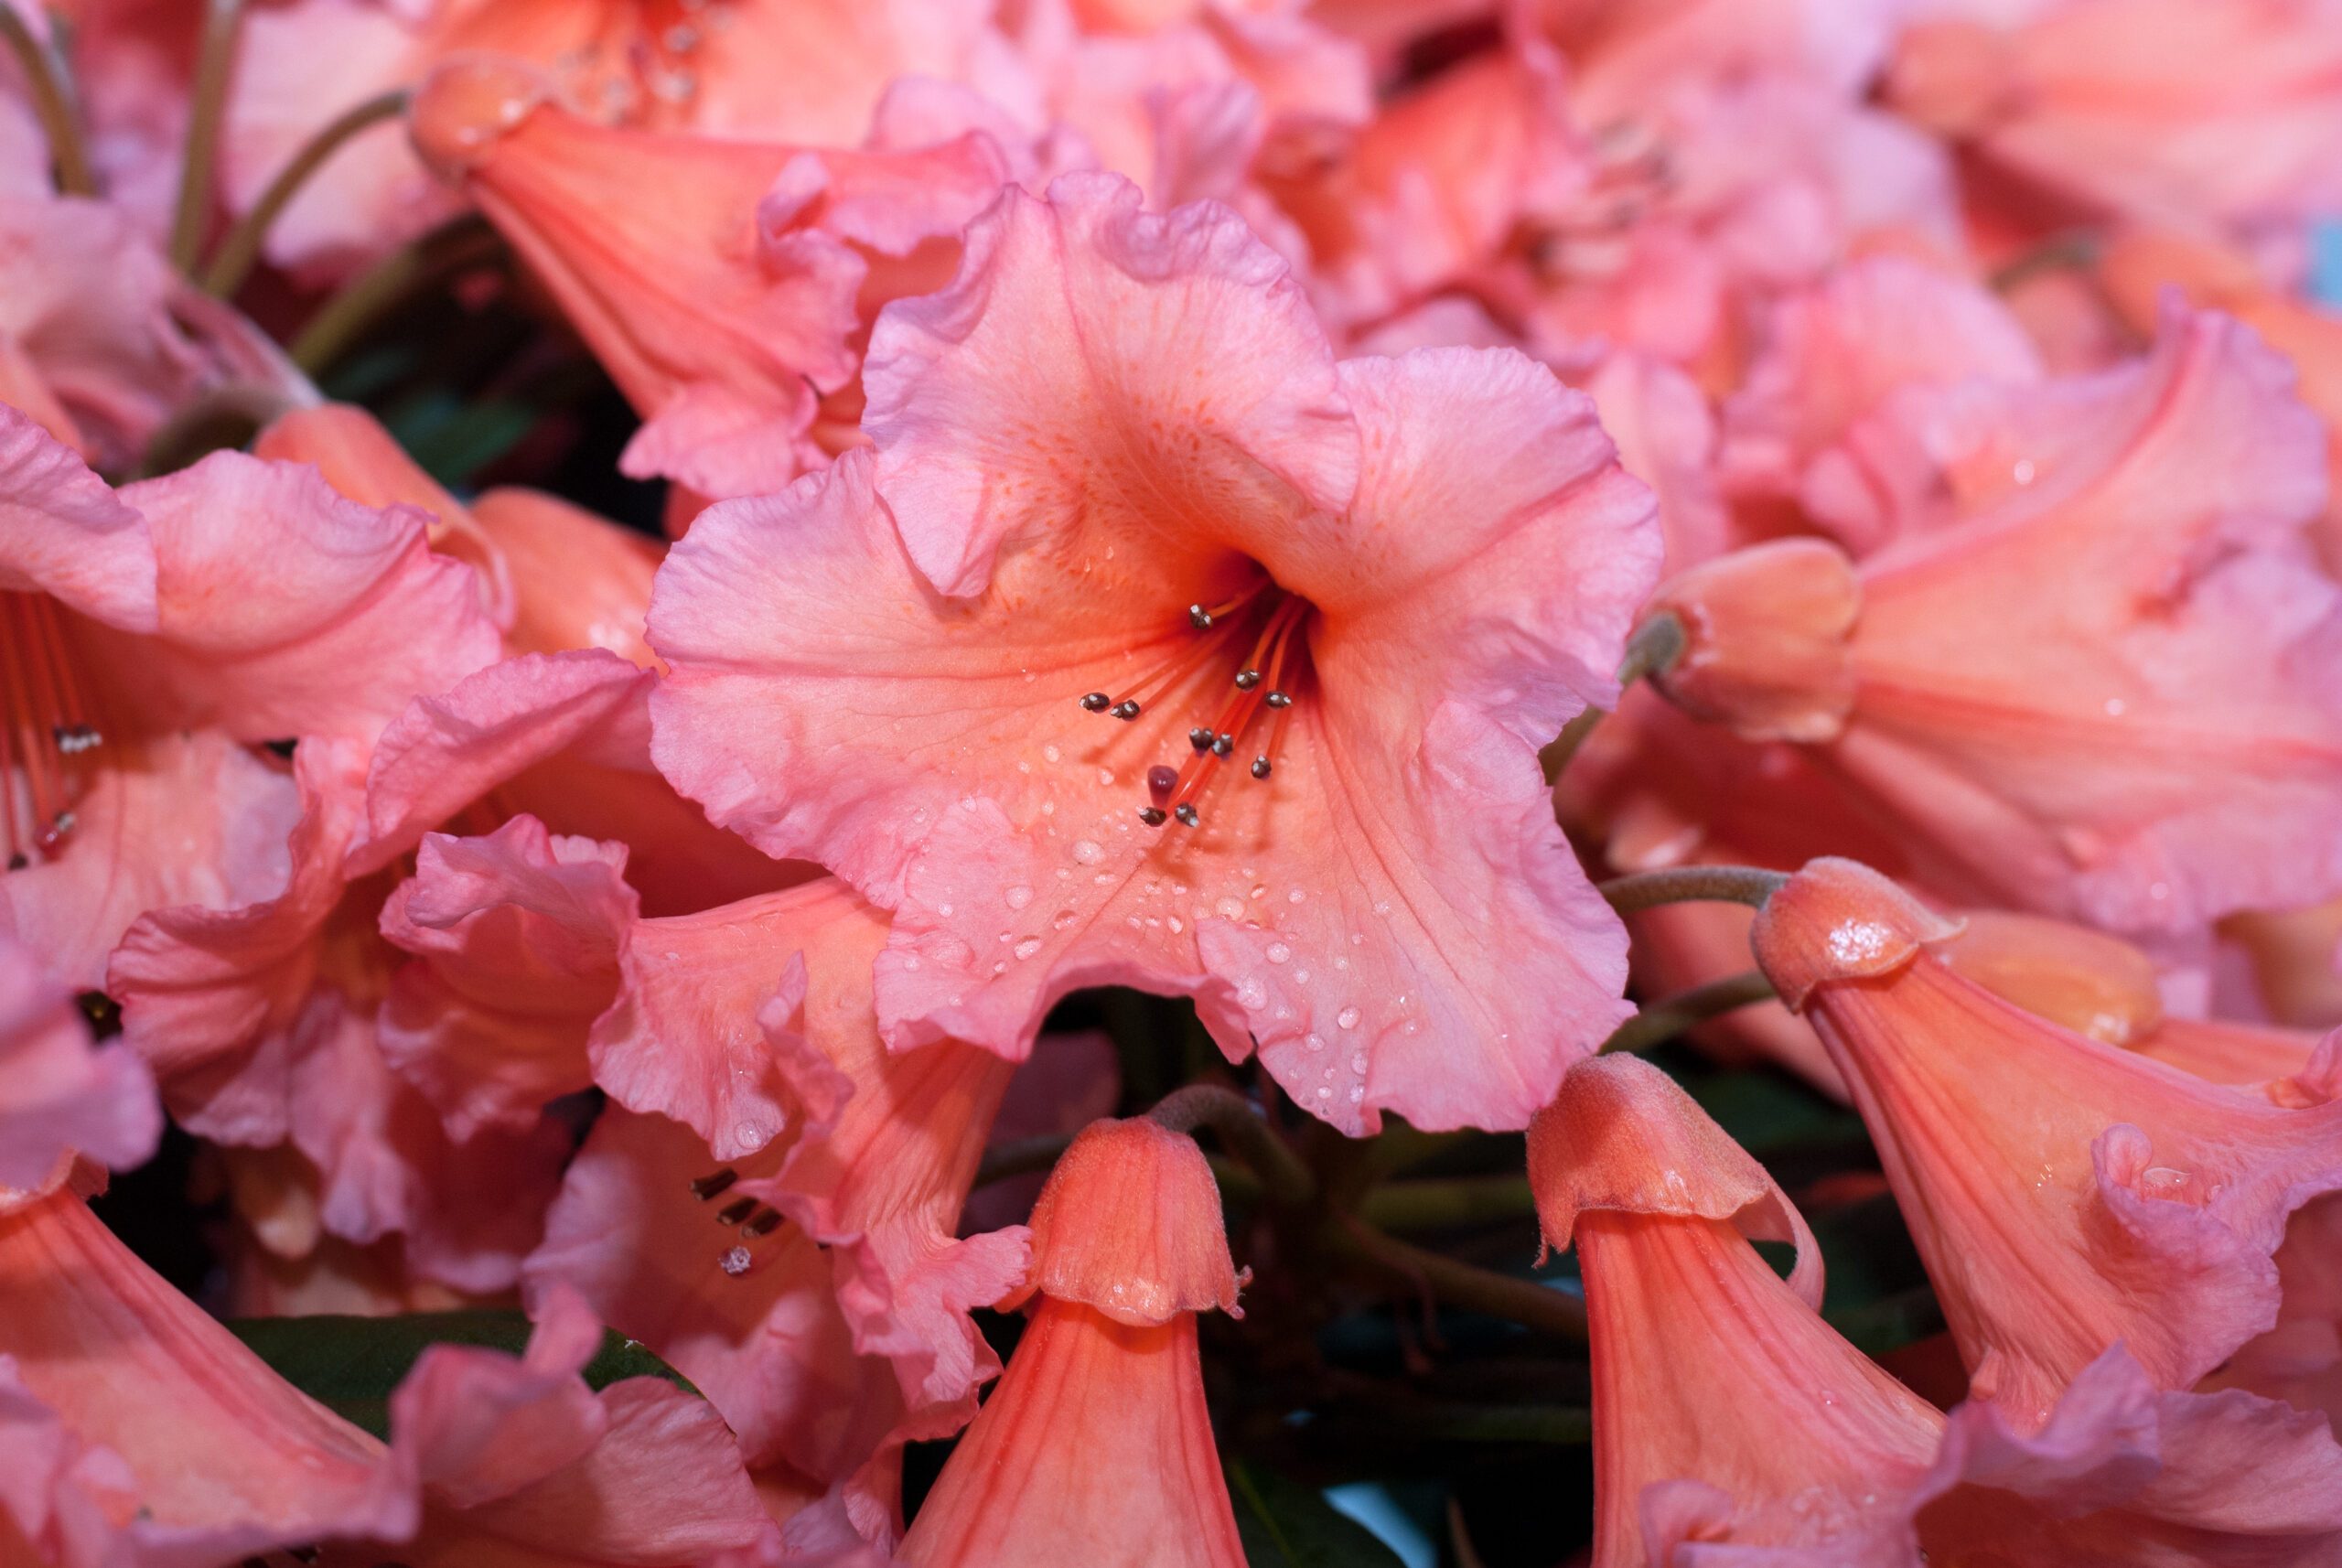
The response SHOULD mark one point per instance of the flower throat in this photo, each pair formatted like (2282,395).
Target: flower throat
(1268,624)
(48,736)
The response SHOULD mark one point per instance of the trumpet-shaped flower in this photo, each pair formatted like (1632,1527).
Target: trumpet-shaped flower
(1152,648)
(1733,1424)
(2099,684)
(2067,1195)
(1096,1449)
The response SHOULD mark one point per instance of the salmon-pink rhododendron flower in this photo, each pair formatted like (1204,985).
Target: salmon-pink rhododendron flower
(135,1428)
(1729,1415)
(155,637)
(725,308)
(2067,1195)
(1180,656)
(59,1094)
(1096,1449)
(2092,674)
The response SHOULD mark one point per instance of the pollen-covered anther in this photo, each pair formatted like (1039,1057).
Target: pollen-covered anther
(714,1182)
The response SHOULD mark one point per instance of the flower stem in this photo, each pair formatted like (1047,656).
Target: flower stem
(214,63)
(45,74)
(449,248)
(1561,1313)
(232,263)
(1689,884)
(1655,646)
(1246,1132)
(1665,1019)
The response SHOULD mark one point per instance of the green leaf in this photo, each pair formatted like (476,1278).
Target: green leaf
(1285,1524)
(349,1364)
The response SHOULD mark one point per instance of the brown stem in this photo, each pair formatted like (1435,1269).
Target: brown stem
(45,75)
(238,254)
(1525,1302)
(214,64)
(1665,1019)
(1450,1203)
(1692,883)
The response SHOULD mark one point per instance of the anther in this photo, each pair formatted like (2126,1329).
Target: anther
(764,1223)
(714,1182)
(1125,710)
(1186,815)
(1200,617)
(1260,768)
(1247,679)
(1152,816)
(735,1212)
(1200,739)
(1278,700)
(1222,744)
(1097,701)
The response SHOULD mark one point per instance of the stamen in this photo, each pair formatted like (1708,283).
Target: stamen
(764,1222)
(735,1211)
(1097,701)
(48,733)
(1269,650)
(714,1182)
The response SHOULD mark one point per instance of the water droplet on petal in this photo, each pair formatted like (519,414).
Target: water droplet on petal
(1278,952)
(1346,1017)
(1016,898)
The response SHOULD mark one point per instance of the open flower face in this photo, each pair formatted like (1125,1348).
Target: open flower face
(1154,648)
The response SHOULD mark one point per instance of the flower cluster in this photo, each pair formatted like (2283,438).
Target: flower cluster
(625,627)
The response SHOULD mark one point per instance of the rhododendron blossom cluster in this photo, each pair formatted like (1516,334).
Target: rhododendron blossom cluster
(1112,783)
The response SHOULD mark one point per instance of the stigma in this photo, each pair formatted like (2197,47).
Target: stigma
(1258,638)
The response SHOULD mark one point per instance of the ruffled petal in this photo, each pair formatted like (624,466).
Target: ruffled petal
(66,534)
(60,1094)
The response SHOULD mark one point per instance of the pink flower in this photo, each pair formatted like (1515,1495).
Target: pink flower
(2091,676)
(728,307)
(2163,110)
(811,1121)
(132,1425)
(1183,515)
(89,343)
(812,71)
(59,1094)
(1878,330)
(1731,1423)
(1097,1448)
(2066,1195)
(156,633)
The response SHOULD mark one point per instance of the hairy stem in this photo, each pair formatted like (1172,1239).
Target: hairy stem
(1692,883)
(232,263)
(1655,646)
(44,76)
(1665,1019)
(1246,1134)
(214,64)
